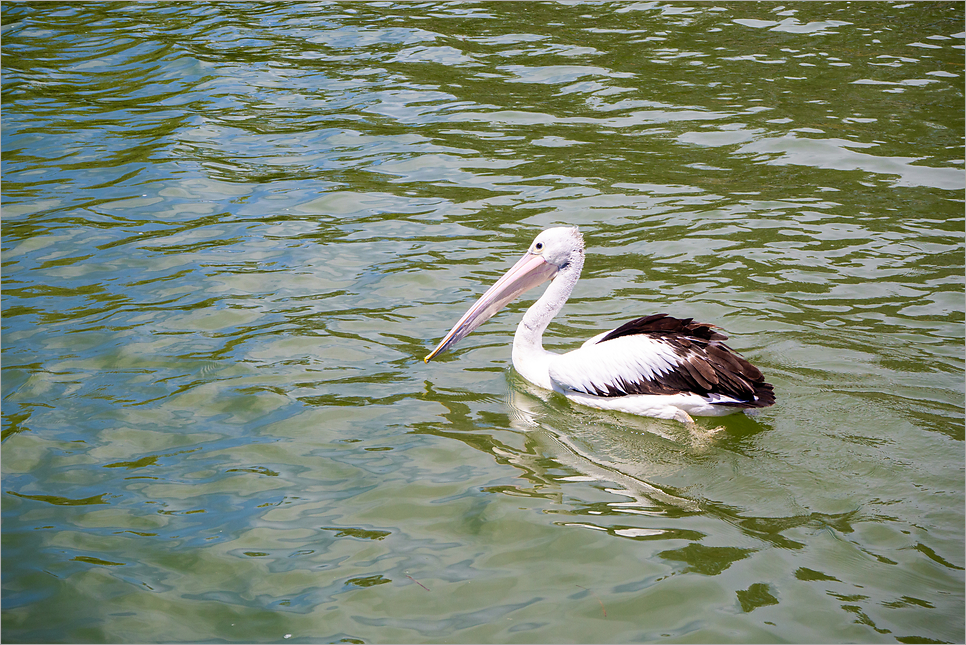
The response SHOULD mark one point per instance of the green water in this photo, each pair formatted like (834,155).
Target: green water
(231,231)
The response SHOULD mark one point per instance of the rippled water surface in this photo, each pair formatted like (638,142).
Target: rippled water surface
(231,231)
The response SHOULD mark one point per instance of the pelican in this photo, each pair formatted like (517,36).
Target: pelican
(655,366)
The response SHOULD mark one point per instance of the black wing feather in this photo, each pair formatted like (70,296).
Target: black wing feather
(707,366)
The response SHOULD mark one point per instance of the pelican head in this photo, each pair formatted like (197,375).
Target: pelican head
(552,251)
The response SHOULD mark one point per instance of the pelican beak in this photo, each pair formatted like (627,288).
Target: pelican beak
(529,272)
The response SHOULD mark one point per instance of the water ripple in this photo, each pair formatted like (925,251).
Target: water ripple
(231,230)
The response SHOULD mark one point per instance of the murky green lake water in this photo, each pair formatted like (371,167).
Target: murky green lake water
(231,231)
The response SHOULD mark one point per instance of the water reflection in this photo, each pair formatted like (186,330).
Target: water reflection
(625,453)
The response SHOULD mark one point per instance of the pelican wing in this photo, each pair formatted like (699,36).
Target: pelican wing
(662,355)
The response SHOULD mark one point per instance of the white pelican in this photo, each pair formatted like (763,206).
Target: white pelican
(655,366)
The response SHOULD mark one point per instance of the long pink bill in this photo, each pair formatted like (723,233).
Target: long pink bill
(530,271)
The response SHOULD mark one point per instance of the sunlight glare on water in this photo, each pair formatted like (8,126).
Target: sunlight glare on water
(231,232)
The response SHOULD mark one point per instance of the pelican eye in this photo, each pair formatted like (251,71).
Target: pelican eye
(538,246)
